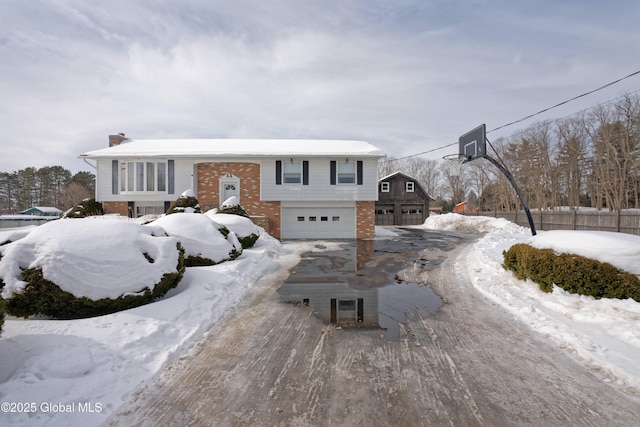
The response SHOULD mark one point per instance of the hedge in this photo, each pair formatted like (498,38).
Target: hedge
(573,273)
(85,208)
(41,296)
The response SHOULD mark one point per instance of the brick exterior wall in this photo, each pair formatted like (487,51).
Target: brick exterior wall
(209,175)
(121,208)
(365,219)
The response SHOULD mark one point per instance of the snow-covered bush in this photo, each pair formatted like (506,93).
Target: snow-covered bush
(84,208)
(573,273)
(205,241)
(232,206)
(186,203)
(246,231)
(82,267)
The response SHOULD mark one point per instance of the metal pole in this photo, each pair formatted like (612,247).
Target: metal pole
(506,172)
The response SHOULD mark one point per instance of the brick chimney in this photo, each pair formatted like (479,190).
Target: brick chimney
(116,139)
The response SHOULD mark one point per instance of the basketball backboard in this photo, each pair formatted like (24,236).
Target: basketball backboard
(473,145)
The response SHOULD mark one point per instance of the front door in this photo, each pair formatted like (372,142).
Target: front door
(229,188)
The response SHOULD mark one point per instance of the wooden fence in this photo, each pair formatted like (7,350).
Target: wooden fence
(622,222)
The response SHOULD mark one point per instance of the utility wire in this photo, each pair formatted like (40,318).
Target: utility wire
(566,102)
(528,117)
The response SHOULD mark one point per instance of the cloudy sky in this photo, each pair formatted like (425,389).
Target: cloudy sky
(405,75)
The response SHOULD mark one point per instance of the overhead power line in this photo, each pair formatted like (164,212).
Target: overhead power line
(566,102)
(527,117)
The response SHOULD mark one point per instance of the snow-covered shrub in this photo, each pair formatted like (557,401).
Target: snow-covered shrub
(232,206)
(205,241)
(186,203)
(81,268)
(246,231)
(573,273)
(84,208)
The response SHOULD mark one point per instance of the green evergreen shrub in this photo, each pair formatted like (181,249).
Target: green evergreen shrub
(248,241)
(41,296)
(184,203)
(573,273)
(84,208)
(233,210)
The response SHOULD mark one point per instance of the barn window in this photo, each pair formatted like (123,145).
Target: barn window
(411,187)
(384,187)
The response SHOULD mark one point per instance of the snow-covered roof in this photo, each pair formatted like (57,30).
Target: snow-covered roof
(235,148)
(45,209)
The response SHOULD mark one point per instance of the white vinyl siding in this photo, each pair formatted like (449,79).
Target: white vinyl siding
(319,188)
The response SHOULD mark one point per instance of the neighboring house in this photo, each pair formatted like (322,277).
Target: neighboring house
(42,211)
(465,207)
(401,201)
(300,188)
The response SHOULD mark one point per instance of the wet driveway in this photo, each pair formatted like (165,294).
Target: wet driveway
(370,284)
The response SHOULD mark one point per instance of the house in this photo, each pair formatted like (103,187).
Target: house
(42,211)
(293,188)
(401,201)
(465,207)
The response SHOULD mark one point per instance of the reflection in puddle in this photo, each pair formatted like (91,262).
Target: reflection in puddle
(367,285)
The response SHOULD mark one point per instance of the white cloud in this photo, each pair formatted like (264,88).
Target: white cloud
(407,76)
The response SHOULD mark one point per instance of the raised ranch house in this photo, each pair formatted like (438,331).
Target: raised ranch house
(293,188)
(401,201)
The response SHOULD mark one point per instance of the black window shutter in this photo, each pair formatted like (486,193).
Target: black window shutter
(359,172)
(167,205)
(305,172)
(114,176)
(171,172)
(332,172)
(278,172)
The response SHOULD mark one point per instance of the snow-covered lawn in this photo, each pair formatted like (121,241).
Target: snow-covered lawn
(603,333)
(78,372)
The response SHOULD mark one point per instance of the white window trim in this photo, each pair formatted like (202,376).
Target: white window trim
(351,164)
(299,173)
(385,187)
(410,186)
(129,177)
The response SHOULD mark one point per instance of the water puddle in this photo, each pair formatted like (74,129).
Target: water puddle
(368,285)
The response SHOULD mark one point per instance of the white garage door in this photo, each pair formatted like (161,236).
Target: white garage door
(318,223)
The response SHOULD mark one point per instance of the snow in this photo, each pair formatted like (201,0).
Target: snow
(92,259)
(231,202)
(102,361)
(236,147)
(241,225)
(199,235)
(67,366)
(604,334)
(619,250)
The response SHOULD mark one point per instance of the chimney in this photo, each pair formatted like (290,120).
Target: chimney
(116,139)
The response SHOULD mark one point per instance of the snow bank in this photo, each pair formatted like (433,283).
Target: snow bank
(93,259)
(14,233)
(465,224)
(604,333)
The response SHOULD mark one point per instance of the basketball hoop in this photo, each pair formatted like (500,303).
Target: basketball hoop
(453,163)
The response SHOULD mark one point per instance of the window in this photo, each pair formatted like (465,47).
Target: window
(384,187)
(324,218)
(300,219)
(143,176)
(292,172)
(335,218)
(148,210)
(346,172)
(312,218)
(410,187)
